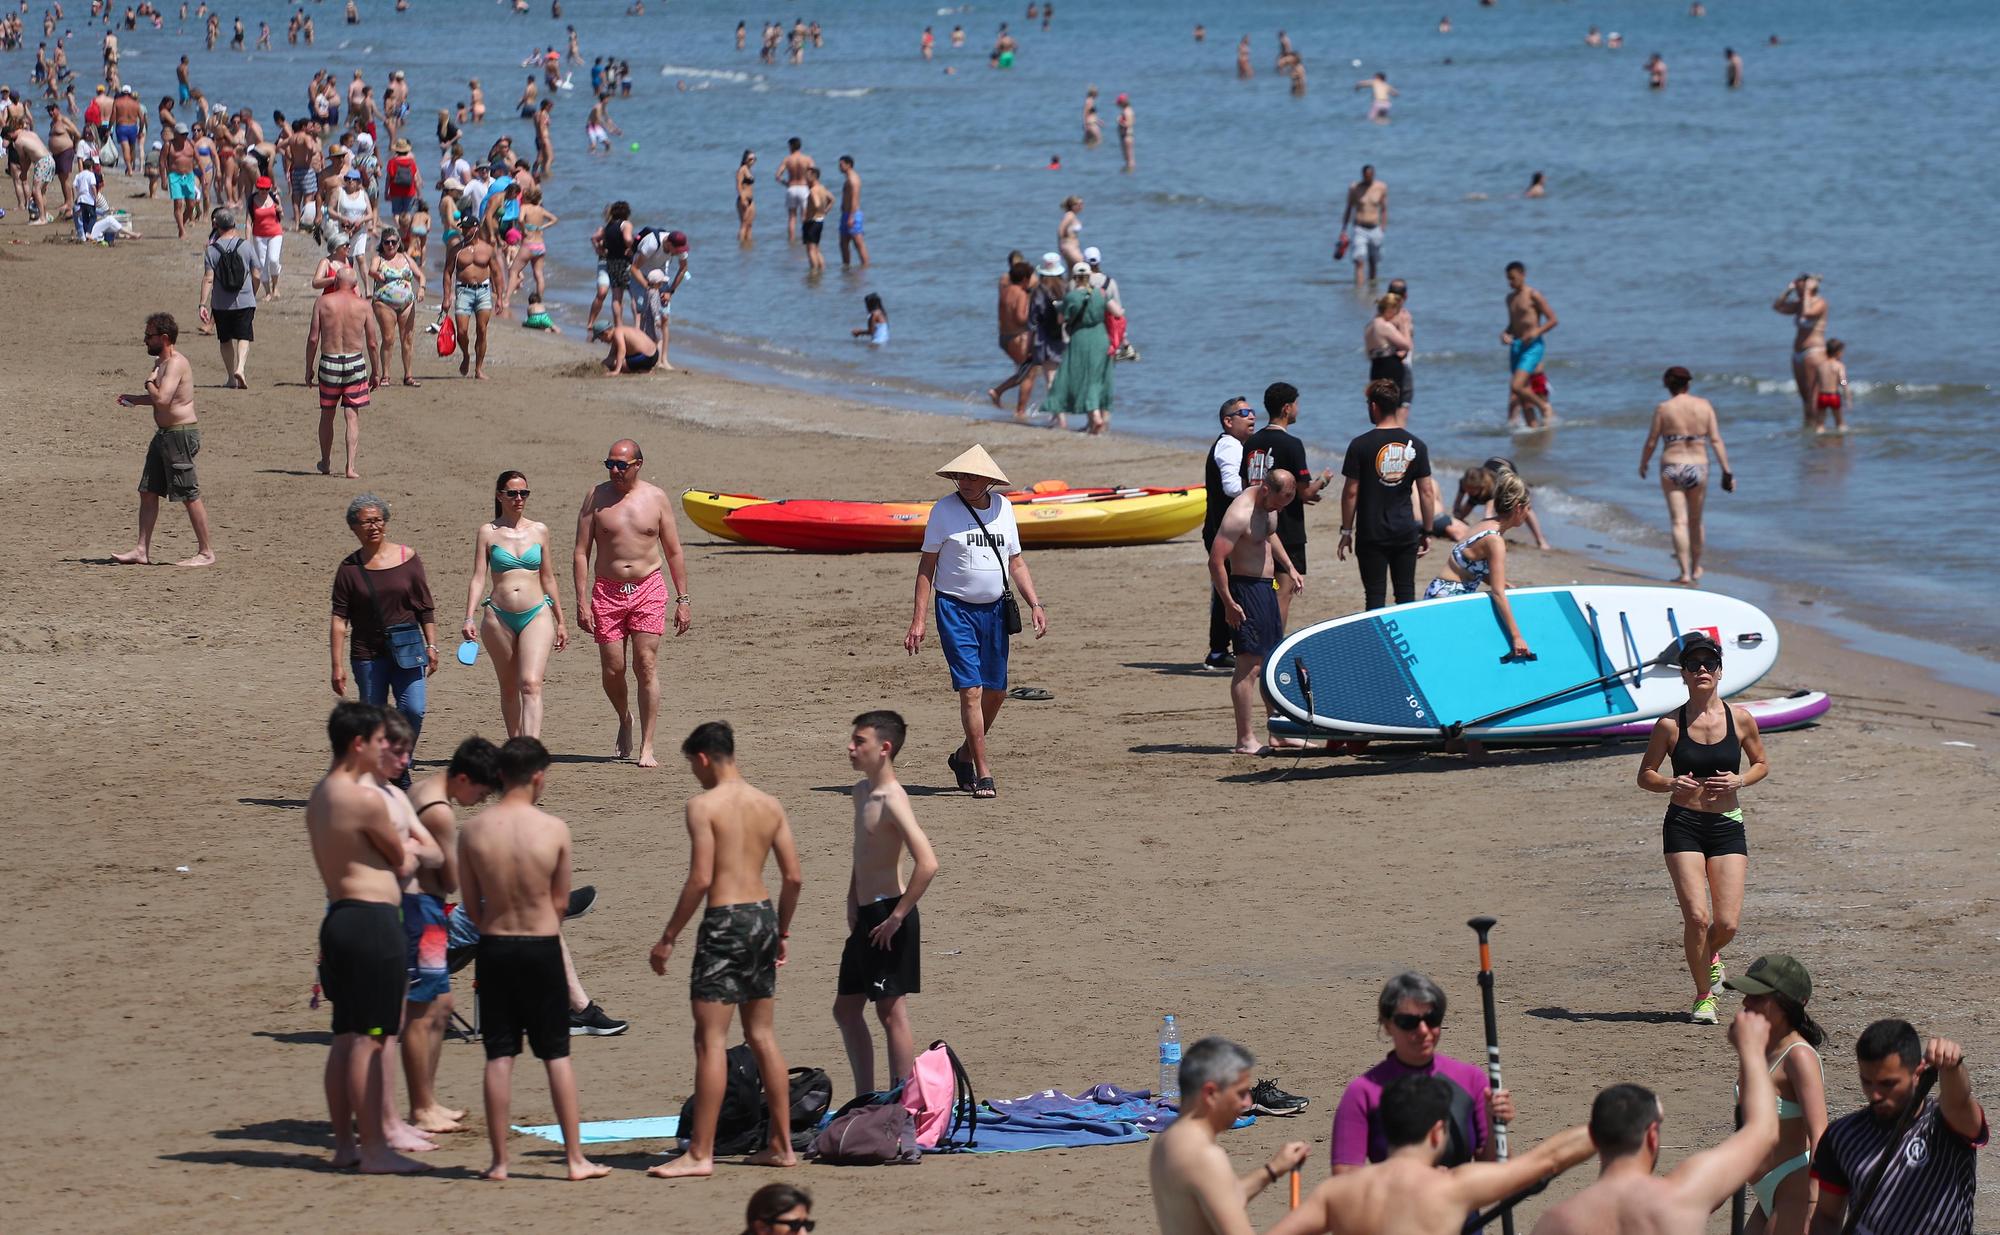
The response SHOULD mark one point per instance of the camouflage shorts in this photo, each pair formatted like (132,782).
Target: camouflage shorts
(736,954)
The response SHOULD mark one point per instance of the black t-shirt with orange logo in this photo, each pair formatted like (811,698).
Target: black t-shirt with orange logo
(1387,462)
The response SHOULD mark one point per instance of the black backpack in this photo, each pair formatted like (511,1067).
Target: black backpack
(744,1122)
(230,272)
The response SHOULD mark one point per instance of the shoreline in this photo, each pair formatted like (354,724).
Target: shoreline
(1130,868)
(1563,520)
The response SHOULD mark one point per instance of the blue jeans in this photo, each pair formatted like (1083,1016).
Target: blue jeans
(375,679)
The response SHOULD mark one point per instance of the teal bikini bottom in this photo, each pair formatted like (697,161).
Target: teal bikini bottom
(518,622)
(1766,1188)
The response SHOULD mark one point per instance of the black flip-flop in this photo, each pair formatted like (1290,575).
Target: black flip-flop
(983,788)
(1032,694)
(963,770)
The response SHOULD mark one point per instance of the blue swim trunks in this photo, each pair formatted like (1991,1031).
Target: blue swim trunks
(1522,357)
(183,187)
(850,223)
(424,929)
(974,638)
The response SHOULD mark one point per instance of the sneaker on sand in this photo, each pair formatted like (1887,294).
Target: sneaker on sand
(1267,1099)
(1716,973)
(1704,1011)
(594,1022)
(1219,660)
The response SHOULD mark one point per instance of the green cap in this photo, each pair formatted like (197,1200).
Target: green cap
(1776,974)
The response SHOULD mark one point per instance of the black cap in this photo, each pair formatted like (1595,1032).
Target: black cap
(1695,643)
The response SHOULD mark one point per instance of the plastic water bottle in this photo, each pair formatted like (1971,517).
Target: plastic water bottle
(1169,1091)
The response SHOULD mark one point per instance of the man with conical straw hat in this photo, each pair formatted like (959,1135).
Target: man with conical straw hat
(972,549)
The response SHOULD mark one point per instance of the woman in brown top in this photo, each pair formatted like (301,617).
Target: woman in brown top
(379,594)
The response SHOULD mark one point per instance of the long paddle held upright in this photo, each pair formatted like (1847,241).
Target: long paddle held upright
(1483,926)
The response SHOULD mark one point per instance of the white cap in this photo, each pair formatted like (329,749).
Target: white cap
(1092,256)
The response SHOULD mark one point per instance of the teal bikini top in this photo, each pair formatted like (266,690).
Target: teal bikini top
(500,559)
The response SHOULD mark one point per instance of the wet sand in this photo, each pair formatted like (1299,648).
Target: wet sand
(167,1067)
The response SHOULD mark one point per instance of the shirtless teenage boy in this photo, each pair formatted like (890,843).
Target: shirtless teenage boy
(792,174)
(1529,318)
(360,857)
(630,524)
(393,769)
(881,963)
(514,862)
(472,776)
(1625,1124)
(733,828)
(1240,566)
(1406,1193)
(1194,1190)
(169,470)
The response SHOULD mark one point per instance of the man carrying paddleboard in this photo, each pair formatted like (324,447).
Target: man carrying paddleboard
(1274,448)
(1240,568)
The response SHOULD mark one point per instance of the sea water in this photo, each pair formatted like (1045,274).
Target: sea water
(1858,148)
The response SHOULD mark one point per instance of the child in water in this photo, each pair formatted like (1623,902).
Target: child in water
(1832,389)
(877,329)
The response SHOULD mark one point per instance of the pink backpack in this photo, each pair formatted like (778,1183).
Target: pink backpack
(939,1096)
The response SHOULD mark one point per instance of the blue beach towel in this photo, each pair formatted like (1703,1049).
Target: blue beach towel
(604,1131)
(1053,1119)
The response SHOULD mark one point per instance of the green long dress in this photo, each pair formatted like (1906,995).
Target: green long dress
(1083,383)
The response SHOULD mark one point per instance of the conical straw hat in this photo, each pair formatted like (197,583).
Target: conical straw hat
(974,462)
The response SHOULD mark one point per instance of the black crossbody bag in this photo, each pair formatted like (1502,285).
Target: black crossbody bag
(1010,609)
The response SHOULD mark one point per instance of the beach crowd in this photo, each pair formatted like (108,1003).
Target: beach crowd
(394,852)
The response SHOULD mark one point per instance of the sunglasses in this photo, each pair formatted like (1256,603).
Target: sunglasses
(1242,411)
(619,465)
(520,493)
(1408,1021)
(795,1224)
(1704,666)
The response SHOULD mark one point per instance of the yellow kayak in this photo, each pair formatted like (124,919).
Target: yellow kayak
(708,508)
(1139,519)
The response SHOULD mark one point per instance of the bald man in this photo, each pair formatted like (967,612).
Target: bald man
(341,338)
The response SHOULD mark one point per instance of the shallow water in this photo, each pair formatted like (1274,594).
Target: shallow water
(1857,149)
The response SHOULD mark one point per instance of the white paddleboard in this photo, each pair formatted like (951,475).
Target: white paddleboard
(1440,665)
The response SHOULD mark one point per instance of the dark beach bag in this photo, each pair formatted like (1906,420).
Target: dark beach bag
(741,1123)
(881,1135)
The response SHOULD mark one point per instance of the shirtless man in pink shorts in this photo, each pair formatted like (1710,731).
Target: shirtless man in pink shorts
(630,523)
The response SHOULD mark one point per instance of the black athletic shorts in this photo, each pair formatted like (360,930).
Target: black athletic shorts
(1297,552)
(882,973)
(361,967)
(1703,832)
(235,324)
(736,954)
(810,231)
(1263,628)
(522,992)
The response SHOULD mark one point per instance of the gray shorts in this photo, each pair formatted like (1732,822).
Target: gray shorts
(1367,244)
(169,470)
(736,954)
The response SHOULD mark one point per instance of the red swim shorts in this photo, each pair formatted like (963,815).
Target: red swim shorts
(618,609)
(1829,402)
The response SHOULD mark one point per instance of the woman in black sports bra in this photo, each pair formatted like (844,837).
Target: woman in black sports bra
(1709,742)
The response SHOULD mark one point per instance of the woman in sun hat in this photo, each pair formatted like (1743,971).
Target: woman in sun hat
(972,548)
(1083,383)
(1716,752)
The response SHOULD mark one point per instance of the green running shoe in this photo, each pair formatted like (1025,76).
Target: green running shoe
(1704,1011)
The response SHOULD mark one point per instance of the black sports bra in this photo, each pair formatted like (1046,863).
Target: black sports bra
(1691,758)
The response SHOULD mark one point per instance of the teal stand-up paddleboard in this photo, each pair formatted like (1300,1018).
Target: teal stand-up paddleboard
(1601,657)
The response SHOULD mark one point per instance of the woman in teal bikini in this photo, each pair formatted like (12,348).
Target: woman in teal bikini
(513,552)
(1779,987)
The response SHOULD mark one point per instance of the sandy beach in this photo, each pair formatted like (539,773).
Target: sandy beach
(166,1066)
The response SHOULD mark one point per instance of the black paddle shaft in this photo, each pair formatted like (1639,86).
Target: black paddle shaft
(1667,657)
(1483,926)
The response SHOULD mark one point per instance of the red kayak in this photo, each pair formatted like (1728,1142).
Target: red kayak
(1079,517)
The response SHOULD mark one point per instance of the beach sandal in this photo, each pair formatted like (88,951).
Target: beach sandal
(1033,694)
(962,770)
(983,788)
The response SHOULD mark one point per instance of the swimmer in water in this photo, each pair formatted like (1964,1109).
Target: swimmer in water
(1732,72)
(1378,108)
(877,328)
(1538,186)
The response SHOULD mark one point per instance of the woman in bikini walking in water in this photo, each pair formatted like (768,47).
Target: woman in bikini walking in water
(1687,424)
(1807,309)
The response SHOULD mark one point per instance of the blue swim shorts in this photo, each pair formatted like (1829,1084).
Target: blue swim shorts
(974,638)
(1522,357)
(424,929)
(183,187)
